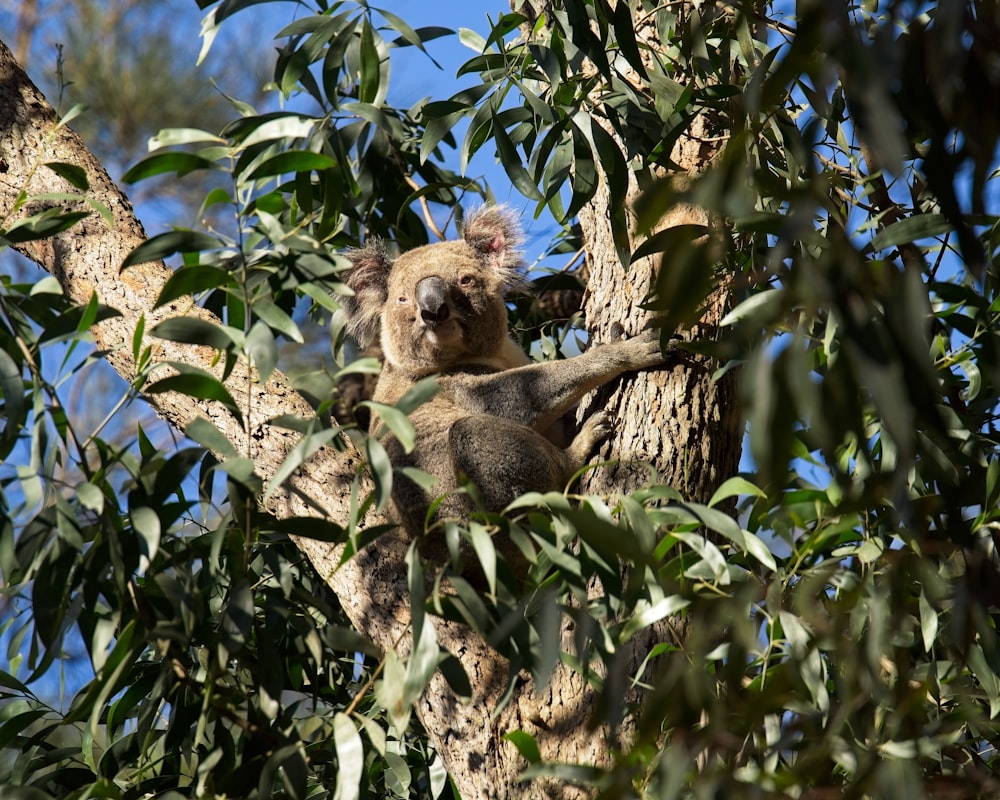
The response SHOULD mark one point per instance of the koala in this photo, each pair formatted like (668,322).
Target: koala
(440,310)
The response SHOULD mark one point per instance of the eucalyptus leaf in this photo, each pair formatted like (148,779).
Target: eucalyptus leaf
(159,247)
(350,758)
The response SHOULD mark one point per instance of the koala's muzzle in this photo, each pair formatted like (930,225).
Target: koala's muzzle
(432,300)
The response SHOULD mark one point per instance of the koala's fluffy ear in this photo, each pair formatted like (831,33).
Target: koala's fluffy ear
(369,279)
(493,232)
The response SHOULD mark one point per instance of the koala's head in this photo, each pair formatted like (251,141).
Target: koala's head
(441,304)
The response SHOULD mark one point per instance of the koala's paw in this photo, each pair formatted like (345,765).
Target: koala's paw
(595,429)
(644,350)
(598,426)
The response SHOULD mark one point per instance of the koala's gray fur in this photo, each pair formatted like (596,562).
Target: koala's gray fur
(440,310)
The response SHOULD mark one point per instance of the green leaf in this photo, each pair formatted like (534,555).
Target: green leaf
(761,309)
(398,777)
(453,672)
(177,162)
(625,35)
(322,530)
(928,623)
(196,383)
(381,471)
(734,487)
(75,175)
(236,623)
(395,420)
(685,278)
(423,662)
(16,726)
(987,677)
(512,164)
(278,320)
(146,525)
(14,407)
(173,137)
(389,692)
(90,496)
(547,624)
(370,65)
(292,161)
(573,774)
(911,229)
(350,757)
(482,544)
(204,432)
(263,350)
(472,40)
(195,330)
(649,614)
(41,226)
(664,240)
(8,681)
(310,442)
(755,546)
(191,280)
(418,394)
(137,334)
(525,744)
(166,244)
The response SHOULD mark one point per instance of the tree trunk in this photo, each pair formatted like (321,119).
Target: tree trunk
(678,422)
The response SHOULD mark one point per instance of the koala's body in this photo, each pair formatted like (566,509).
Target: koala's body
(440,310)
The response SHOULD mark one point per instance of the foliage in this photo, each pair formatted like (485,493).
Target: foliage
(842,630)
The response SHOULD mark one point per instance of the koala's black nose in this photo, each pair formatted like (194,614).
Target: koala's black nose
(432,300)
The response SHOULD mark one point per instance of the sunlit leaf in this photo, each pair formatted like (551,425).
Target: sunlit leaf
(395,421)
(735,487)
(350,757)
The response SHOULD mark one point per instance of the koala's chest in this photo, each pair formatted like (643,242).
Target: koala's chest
(432,421)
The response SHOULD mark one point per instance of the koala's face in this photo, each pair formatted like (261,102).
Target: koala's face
(444,306)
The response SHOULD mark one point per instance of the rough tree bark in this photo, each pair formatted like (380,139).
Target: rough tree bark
(676,426)
(371,587)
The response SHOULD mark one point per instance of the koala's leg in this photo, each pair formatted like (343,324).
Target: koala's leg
(505,459)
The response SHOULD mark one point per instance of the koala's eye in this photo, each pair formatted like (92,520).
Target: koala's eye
(403,300)
(467,280)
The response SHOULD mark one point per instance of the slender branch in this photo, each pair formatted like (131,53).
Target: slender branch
(425,208)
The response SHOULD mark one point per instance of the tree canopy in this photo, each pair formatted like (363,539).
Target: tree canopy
(823,623)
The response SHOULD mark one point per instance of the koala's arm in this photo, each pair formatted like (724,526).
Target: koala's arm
(538,394)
